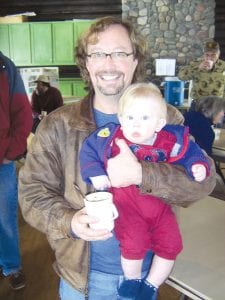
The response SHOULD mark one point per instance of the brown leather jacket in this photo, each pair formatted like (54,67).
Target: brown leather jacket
(51,188)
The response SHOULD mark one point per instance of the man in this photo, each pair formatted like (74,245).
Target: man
(15,126)
(207,73)
(45,99)
(110,56)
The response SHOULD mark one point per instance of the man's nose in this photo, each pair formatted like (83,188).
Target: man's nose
(109,60)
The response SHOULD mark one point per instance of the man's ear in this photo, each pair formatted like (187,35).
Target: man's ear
(161,124)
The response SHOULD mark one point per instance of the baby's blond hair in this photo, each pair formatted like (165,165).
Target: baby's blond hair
(142,90)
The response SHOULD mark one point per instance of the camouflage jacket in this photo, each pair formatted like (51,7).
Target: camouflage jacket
(205,83)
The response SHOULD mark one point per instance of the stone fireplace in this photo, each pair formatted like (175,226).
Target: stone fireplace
(173,28)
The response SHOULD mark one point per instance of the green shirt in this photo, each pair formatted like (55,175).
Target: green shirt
(205,83)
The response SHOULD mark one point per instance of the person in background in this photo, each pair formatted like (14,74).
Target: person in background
(15,126)
(111,55)
(208,111)
(144,222)
(207,73)
(45,98)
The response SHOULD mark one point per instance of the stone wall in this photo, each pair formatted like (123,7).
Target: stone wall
(173,28)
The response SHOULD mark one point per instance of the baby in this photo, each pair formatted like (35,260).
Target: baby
(145,221)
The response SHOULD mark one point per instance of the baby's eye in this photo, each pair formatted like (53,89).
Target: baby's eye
(145,117)
(130,118)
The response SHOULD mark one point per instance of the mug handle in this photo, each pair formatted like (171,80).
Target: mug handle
(115,212)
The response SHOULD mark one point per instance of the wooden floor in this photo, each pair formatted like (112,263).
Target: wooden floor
(37,258)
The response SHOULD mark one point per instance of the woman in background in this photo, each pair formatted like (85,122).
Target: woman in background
(208,111)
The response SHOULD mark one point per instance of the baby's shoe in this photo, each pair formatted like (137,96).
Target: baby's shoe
(147,291)
(129,288)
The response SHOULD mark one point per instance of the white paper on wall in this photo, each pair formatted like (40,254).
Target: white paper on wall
(165,66)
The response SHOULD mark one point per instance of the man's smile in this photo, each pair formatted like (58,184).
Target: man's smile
(109,77)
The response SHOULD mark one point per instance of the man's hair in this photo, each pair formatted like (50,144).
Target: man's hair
(138,43)
(210,106)
(143,90)
(212,46)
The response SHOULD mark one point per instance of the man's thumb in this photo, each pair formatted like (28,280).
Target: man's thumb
(124,149)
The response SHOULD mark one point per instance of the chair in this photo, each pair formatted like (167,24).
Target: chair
(219,157)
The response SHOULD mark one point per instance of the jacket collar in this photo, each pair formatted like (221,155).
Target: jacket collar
(83,116)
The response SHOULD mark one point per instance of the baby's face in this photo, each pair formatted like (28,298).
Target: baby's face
(140,120)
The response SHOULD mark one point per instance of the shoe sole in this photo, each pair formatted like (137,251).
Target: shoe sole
(18,287)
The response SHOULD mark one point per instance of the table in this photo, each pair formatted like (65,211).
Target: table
(218,151)
(184,107)
(199,271)
(220,142)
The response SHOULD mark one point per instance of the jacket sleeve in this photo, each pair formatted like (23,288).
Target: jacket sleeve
(41,186)
(187,152)
(91,159)
(20,114)
(193,155)
(34,105)
(171,183)
(188,72)
(58,98)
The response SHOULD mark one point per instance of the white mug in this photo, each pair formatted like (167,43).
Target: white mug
(210,63)
(100,205)
(44,113)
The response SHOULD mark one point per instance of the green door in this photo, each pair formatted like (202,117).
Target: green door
(63,43)
(78,88)
(72,87)
(82,25)
(19,35)
(4,39)
(66,87)
(41,43)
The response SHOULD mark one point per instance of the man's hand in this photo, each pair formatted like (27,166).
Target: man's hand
(206,65)
(80,227)
(124,169)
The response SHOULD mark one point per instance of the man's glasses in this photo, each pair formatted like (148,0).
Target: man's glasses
(116,56)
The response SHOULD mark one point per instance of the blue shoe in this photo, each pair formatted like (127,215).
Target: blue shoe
(129,288)
(147,291)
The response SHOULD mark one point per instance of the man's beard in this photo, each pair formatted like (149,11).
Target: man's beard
(111,92)
(109,87)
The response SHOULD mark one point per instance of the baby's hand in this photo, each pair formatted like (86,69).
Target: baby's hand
(101,182)
(199,172)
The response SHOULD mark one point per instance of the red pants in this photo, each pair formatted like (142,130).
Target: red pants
(145,223)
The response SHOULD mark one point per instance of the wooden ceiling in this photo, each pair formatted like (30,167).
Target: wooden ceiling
(59,10)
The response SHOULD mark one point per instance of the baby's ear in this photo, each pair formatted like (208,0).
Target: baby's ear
(161,124)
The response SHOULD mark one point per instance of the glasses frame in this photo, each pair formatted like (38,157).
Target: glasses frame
(112,55)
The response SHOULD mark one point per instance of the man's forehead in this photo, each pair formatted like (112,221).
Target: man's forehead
(210,53)
(111,27)
(113,34)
